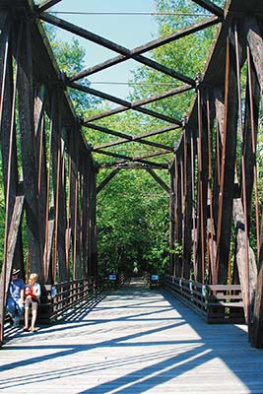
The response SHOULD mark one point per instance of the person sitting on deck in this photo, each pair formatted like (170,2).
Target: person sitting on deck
(15,298)
(32,297)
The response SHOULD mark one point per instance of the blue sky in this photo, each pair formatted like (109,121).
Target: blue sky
(128,30)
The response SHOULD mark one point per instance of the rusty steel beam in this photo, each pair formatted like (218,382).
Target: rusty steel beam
(250,148)
(153,154)
(11,245)
(172,217)
(125,141)
(26,117)
(74,212)
(203,24)
(129,137)
(161,96)
(130,165)
(202,181)
(110,144)
(158,180)
(255,43)
(243,174)
(107,179)
(147,47)
(229,120)
(45,5)
(212,247)
(6,136)
(112,45)
(130,158)
(112,154)
(187,218)
(164,69)
(107,131)
(55,21)
(211,7)
(157,132)
(141,59)
(125,105)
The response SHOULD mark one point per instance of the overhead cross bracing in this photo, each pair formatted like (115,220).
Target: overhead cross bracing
(186,83)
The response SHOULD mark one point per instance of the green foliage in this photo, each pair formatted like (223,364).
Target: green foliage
(128,216)
(70,57)
(177,249)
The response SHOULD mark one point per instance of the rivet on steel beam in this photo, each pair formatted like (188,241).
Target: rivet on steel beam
(184,121)
(198,81)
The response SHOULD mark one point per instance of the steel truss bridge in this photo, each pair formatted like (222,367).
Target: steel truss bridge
(49,174)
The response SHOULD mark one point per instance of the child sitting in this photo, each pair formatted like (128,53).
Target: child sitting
(32,297)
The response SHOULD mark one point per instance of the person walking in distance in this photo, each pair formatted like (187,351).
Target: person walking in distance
(32,298)
(15,297)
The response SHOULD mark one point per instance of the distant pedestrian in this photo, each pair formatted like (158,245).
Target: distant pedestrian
(15,298)
(32,298)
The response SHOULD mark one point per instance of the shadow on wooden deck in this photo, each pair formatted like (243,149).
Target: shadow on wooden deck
(163,352)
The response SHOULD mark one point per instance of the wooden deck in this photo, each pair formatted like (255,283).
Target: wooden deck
(134,340)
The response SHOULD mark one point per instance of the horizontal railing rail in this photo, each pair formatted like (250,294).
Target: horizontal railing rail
(63,298)
(216,303)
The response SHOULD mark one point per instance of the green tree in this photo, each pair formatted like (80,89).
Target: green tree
(70,57)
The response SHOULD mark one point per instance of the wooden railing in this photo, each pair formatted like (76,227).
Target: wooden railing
(64,298)
(216,303)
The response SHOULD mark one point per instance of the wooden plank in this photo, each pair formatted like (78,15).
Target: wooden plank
(176,350)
